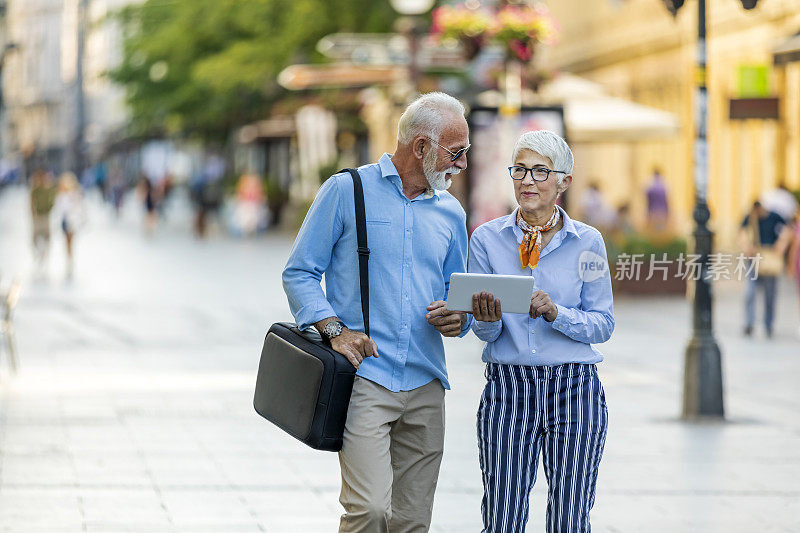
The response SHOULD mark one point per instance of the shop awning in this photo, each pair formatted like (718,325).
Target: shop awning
(788,51)
(591,115)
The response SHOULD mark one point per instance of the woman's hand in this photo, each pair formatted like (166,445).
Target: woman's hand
(542,305)
(485,307)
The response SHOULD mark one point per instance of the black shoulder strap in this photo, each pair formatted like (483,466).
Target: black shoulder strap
(363,251)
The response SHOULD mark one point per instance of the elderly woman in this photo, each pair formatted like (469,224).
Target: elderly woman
(542,392)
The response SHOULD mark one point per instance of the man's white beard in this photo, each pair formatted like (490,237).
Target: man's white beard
(437,179)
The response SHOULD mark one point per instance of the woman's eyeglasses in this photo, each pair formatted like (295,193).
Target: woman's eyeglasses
(538,174)
(458,153)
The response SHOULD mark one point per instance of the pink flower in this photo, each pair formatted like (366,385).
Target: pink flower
(522,52)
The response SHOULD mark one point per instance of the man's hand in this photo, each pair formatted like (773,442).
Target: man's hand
(485,307)
(354,345)
(542,305)
(448,323)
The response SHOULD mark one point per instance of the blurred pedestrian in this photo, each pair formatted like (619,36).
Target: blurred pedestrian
(150,199)
(781,200)
(164,189)
(657,202)
(623,226)
(622,230)
(101,178)
(116,186)
(594,210)
(250,213)
(207,195)
(758,236)
(70,213)
(43,195)
(794,254)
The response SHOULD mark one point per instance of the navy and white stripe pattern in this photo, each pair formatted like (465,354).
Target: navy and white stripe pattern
(558,410)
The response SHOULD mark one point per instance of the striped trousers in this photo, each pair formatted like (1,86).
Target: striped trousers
(558,410)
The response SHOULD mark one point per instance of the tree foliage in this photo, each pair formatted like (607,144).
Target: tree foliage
(201,67)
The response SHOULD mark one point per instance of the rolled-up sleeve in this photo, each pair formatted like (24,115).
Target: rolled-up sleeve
(479,264)
(593,321)
(311,256)
(454,262)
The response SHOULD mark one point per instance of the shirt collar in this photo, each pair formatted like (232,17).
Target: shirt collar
(387,167)
(388,170)
(569,224)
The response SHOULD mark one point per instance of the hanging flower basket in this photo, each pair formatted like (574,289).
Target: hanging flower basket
(518,28)
(468,26)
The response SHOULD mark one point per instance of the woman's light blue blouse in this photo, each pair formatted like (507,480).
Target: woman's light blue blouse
(573,270)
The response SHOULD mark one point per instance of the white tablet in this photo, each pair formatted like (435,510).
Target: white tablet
(514,291)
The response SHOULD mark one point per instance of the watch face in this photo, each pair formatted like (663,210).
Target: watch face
(332,329)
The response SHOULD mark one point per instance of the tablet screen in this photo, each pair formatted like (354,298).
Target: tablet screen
(514,291)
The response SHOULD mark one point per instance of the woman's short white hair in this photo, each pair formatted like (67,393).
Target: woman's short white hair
(547,144)
(428,115)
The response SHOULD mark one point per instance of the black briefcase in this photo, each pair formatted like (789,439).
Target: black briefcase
(304,385)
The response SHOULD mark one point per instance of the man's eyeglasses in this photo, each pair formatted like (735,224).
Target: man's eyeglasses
(538,174)
(458,153)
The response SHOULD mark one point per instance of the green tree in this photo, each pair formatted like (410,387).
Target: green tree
(202,67)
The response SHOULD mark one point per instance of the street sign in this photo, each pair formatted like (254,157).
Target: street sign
(365,48)
(299,77)
(753,81)
(389,49)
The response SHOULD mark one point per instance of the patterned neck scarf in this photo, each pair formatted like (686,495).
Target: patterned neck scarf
(532,242)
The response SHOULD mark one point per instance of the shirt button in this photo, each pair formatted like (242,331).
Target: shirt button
(533,331)
(533,351)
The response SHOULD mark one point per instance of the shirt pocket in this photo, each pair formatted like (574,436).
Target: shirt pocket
(381,234)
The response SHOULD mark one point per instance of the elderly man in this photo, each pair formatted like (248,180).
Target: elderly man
(394,433)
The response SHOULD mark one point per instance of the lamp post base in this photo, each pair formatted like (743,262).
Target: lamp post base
(702,380)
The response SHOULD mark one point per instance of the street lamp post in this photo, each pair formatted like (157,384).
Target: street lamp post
(412,9)
(79,139)
(702,379)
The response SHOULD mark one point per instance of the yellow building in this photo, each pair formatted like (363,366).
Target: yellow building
(636,50)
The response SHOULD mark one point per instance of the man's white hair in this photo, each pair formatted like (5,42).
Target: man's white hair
(547,144)
(428,115)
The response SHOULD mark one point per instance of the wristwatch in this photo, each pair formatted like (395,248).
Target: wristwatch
(333,329)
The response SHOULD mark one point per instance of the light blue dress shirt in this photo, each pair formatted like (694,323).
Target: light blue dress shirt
(415,246)
(573,270)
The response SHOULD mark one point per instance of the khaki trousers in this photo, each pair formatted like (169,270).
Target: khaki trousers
(390,458)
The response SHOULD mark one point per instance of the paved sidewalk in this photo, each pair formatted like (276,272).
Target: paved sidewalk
(132,409)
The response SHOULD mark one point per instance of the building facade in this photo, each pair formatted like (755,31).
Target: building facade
(41,85)
(638,51)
